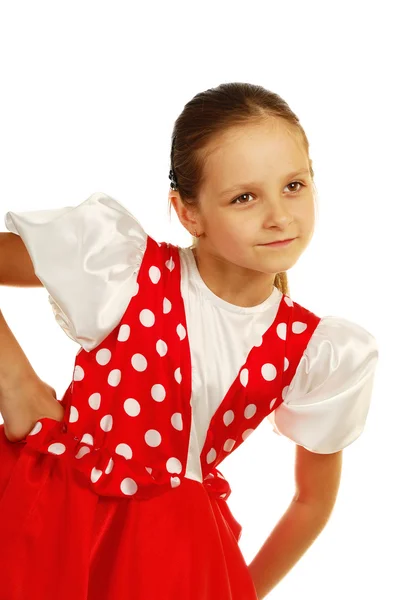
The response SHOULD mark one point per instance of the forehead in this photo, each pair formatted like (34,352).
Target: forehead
(241,152)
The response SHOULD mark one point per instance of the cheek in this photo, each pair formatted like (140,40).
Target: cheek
(219,223)
(305,215)
(237,232)
(228,229)
(307,227)
(239,223)
(309,220)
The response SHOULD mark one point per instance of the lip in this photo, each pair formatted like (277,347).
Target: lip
(279,244)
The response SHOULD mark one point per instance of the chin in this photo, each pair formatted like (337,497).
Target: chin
(280,263)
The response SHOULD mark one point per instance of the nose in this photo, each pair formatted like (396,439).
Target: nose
(276,214)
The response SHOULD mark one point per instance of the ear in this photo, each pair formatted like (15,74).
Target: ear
(188,215)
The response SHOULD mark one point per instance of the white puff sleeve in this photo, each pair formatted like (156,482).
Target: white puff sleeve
(88,258)
(328,400)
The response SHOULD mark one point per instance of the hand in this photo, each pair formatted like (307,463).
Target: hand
(25,404)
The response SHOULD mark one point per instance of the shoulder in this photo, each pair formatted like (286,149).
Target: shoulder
(328,400)
(339,353)
(335,334)
(88,258)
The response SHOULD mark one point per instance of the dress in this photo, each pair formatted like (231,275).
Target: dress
(123,499)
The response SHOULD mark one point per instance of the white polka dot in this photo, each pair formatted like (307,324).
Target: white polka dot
(284,392)
(147,318)
(247,433)
(82,451)
(228,445)
(244,377)
(166,306)
(286,363)
(135,289)
(269,372)
(161,347)
(176,421)
(158,392)
(139,362)
(109,467)
(36,428)
(288,301)
(95,475)
(154,274)
(181,331)
(114,377)
(124,450)
(87,439)
(282,331)
(211,456)
(153,438)
(272,403)
(123,333)
(173,465)
(132,407)
(259,341)
(170,264)
(79,373)
(94,400)
(74,415)
(250,410)
(103,356)
(106,422)
(228,417)
(128,486)
(175,482)
(177,375)
(56,448)
(298,327)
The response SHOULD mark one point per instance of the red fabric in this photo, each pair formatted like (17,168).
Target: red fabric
(98,506)
(62,541)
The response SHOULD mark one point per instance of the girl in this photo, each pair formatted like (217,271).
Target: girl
(184,352)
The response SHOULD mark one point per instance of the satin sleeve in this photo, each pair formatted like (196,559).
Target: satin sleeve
(88,258)
(328,400)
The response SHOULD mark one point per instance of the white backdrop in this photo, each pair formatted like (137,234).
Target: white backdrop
(89,94)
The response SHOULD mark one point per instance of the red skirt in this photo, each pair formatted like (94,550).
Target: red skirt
(60,540)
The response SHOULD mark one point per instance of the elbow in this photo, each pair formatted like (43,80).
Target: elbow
(319,509)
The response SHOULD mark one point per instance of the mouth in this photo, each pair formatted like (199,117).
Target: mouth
(279,244)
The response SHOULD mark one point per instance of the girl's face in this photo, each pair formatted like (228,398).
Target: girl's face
(257,189)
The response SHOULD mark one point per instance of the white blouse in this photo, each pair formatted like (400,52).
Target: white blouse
(88,258)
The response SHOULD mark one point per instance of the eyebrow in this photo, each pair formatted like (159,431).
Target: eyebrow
(252,183)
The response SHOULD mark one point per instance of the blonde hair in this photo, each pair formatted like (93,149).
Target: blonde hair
(209,114)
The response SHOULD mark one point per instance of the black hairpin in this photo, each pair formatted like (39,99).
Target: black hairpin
(173,183)
(172,177)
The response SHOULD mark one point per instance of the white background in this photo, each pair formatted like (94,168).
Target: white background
(89,95)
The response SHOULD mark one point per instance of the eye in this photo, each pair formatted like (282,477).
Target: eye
(235,200)
(299,189)
(249,194)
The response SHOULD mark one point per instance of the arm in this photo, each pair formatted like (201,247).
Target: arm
(16,268)
(317,483)
(24,397)
(15,367)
